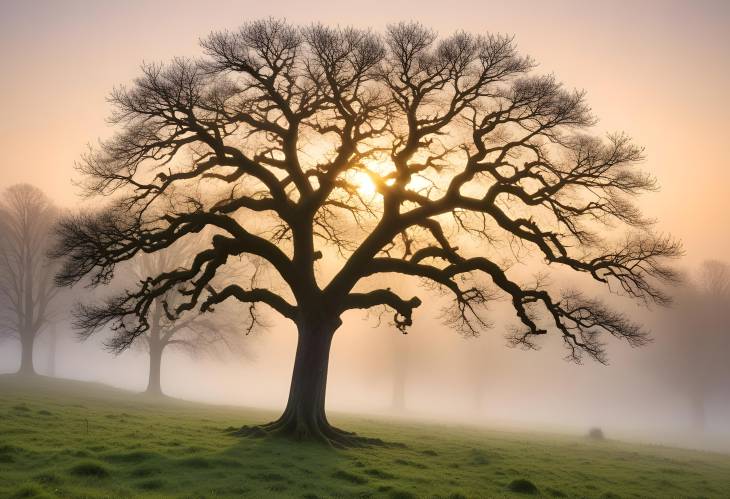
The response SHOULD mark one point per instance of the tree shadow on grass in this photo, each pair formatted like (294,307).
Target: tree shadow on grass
(313,469)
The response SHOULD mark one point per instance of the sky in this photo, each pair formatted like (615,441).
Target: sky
(657,70)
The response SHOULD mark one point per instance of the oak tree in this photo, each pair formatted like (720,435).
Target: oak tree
(338,156)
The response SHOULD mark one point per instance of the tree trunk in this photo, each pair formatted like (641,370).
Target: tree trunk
(304,417)
(26,356)
(52,345)
(154,386)
(156,345)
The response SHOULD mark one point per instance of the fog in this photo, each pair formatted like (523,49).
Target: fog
(446,378)
(658,70)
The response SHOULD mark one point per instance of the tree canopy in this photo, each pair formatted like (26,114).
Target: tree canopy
(396,153)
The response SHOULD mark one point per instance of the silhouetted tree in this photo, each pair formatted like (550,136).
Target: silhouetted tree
(26,274)
(191,332)
(397,154)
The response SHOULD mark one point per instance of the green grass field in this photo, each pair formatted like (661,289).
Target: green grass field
(73,439)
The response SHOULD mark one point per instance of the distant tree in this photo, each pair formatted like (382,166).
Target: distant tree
(52,348)
(27,289)
(694,344)
(401,154)
(191,332)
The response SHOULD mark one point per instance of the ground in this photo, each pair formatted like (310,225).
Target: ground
(73,439)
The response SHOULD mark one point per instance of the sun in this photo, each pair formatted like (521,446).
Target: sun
(362,180)
(367,188)
(363,183)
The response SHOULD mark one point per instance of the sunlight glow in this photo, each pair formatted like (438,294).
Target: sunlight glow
(363,183)
(367,188)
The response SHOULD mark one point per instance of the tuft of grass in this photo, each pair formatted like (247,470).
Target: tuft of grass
(129,457)
(402,494)
(28,491)
(374,472)
(270,477)
(90,469)
(478,457)
(523,486)
(144,472)
(48,479)
(196,462)
(555,492)
(227,462)
(349,477)
(413,464)
(155,484)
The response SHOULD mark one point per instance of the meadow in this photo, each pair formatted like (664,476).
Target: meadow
(63,438)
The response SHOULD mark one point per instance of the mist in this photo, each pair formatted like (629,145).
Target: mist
(445,378)
(657,71)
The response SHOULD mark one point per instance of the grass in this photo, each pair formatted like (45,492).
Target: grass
(73,439)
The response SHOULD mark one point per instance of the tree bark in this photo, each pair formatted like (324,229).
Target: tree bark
(26,357)
(304,417)
(154,386)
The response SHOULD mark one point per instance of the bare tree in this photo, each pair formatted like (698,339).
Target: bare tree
(26,274)
(433,159)
(191,332)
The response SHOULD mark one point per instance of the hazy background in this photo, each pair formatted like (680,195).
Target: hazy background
(659,71)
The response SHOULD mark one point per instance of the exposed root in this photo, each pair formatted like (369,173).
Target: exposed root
(321,433)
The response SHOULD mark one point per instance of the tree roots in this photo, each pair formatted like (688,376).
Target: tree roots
(321,432)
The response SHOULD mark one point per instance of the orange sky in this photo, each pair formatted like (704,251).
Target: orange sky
(657,70)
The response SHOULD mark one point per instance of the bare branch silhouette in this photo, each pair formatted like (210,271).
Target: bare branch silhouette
(293,144)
